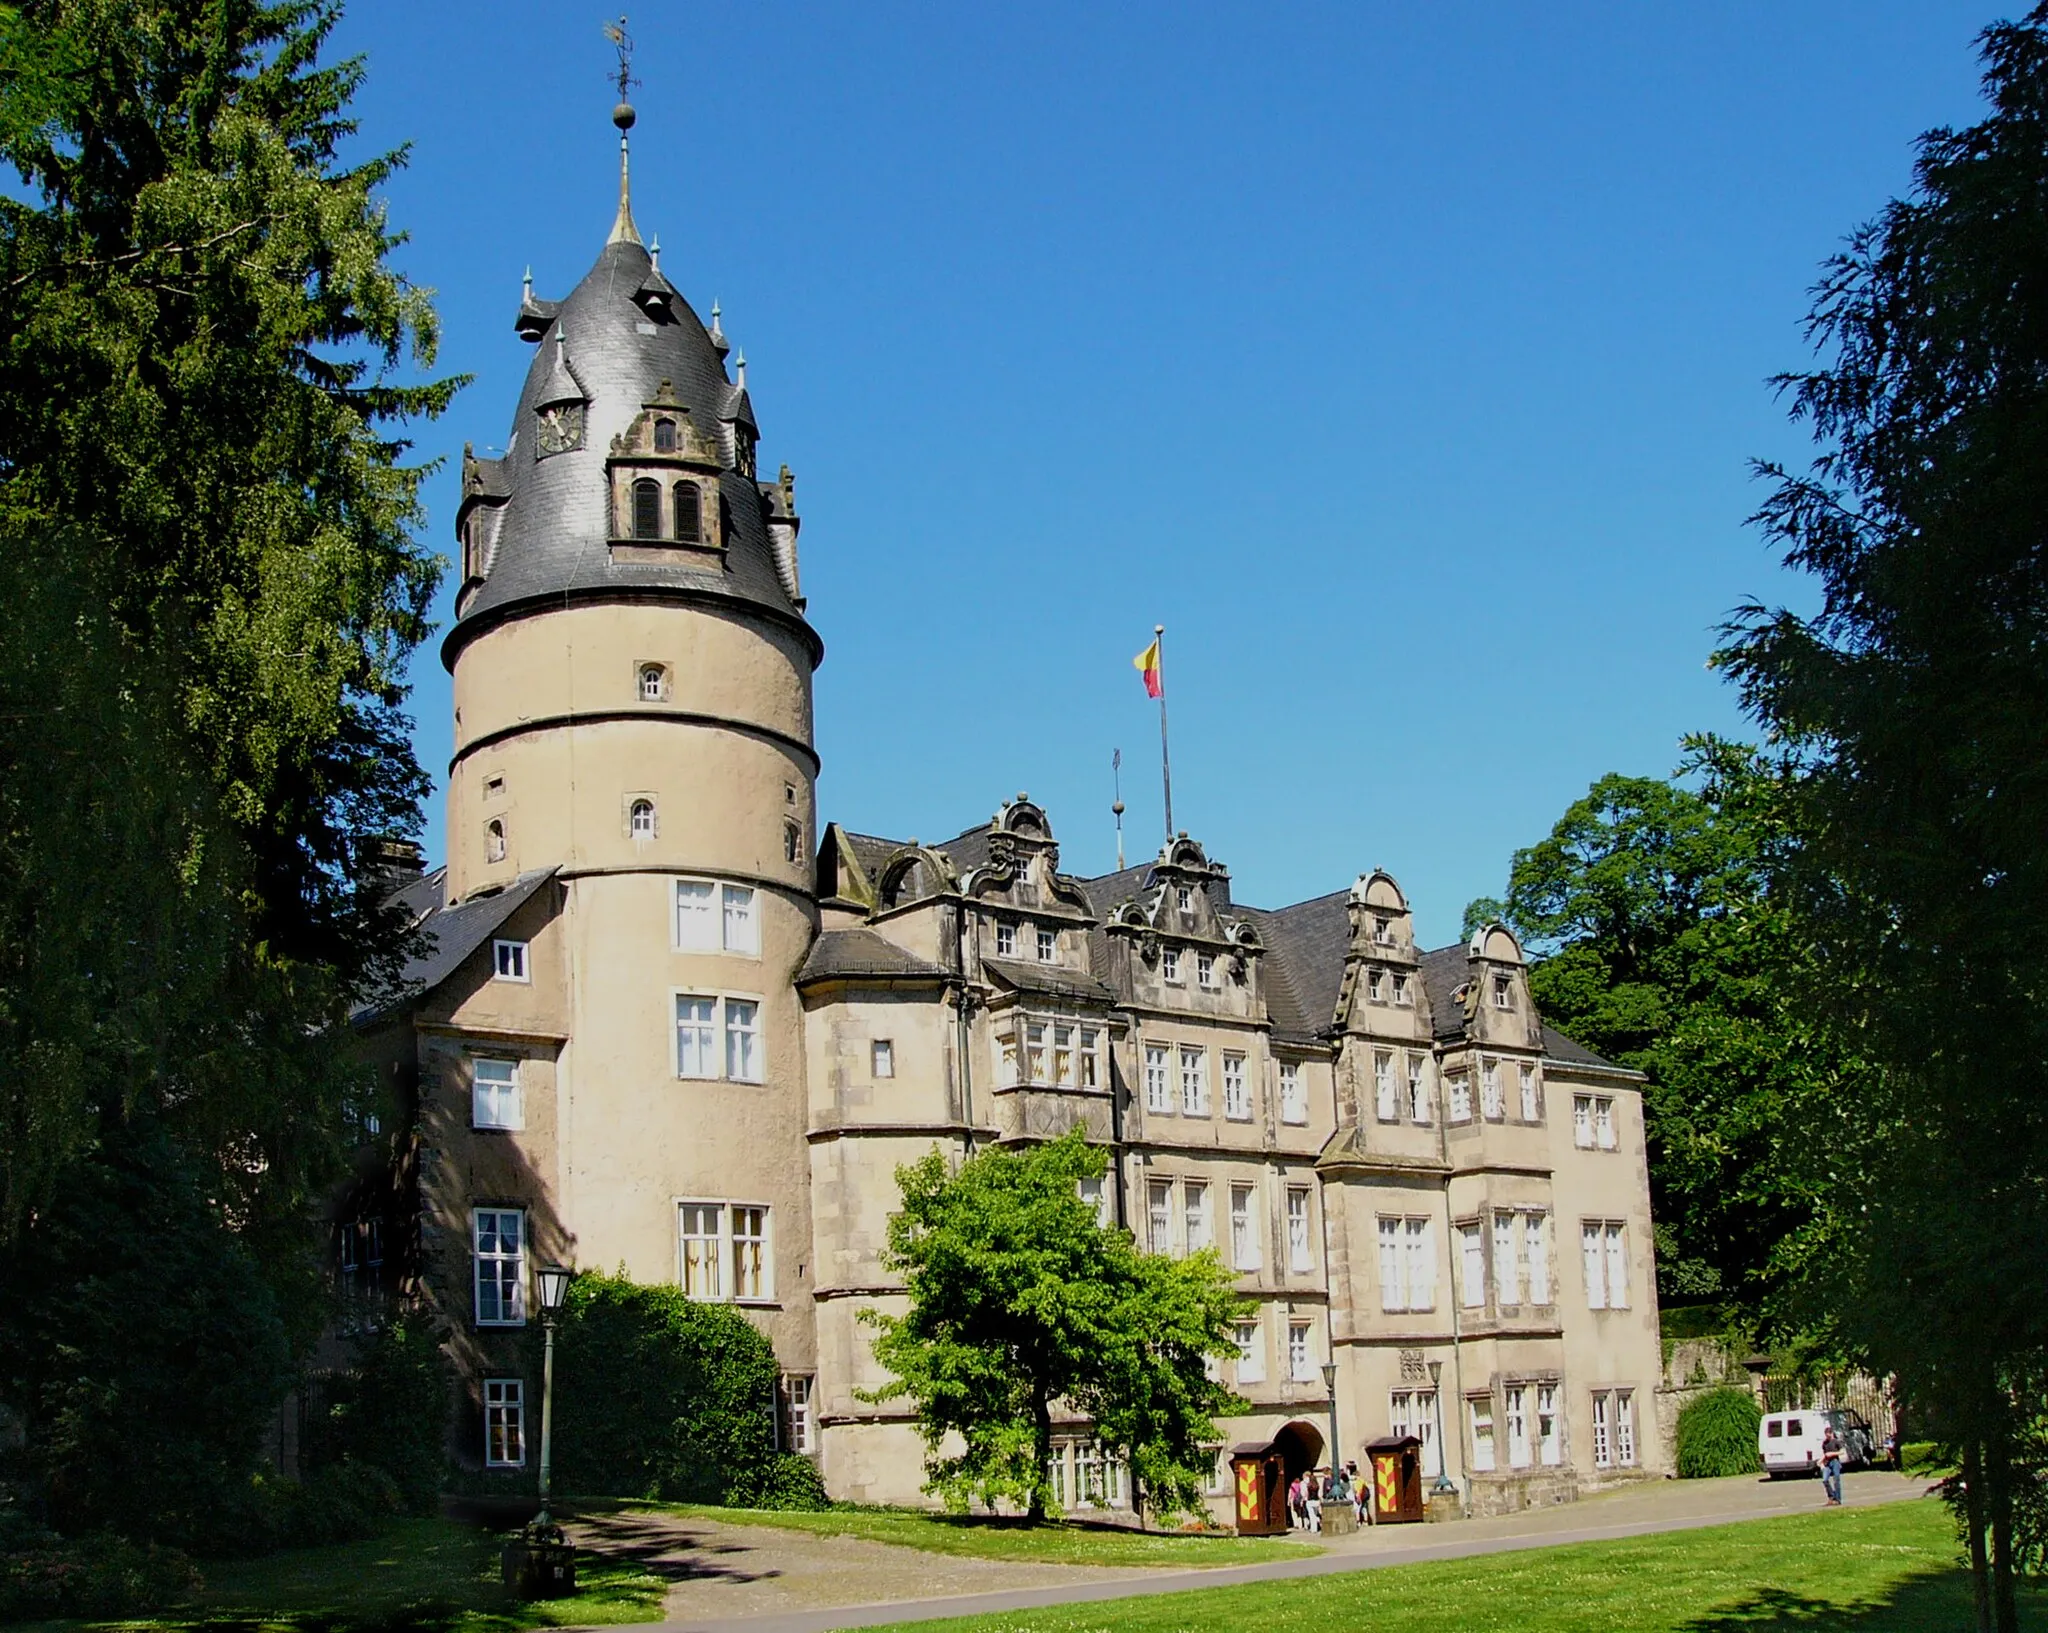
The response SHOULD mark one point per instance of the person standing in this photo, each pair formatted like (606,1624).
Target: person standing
(1312,1495)
(1831,1465)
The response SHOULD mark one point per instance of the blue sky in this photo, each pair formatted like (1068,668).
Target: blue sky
(1405,361)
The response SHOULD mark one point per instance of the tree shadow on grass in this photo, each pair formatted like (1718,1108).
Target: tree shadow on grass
(664,1546)
(1935,1601)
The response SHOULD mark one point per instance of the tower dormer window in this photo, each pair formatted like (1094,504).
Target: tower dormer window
(494,840)
(640,819)
(689,502)
(664,436)
(646,509)
(653,683)
(1184,899)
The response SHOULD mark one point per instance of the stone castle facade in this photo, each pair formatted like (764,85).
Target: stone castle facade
(672,1021)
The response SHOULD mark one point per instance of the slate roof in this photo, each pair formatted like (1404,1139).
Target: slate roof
(1049,979)
(1573,1053)
(600,343)
(1305,947)
(843,954)
(1443,972)
(452,934)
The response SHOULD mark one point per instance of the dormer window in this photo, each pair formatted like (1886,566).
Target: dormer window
(1382,932)
(1376,985)
(653,683)
(640,819)
(1184,897)
(1169,963)
(1503,993)
(689,502)
(1048,947)
(664,436)
(1205,969)
(646,509)
(1006,939)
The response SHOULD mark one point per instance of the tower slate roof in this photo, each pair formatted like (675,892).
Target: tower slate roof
(613,346)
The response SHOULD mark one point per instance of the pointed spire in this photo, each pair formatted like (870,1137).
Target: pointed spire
(623,230)
(716,332)
(654,252)
(741,363)
(526,286)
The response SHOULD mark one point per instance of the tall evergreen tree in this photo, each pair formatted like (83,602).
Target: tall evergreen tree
(1918,698)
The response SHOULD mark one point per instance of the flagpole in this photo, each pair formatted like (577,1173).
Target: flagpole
(1165,763)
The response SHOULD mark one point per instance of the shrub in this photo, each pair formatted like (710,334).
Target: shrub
(342,1502)
(659,1396)
(388,1411)
(785,1481)
(1717,1435)
(43,1575)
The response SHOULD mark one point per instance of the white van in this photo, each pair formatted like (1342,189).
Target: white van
(1789,1442)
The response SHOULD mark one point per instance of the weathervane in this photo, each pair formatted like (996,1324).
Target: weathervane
(622,42)
(623,230)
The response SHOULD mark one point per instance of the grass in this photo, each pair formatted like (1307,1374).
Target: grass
(433,1575)
(981,1537)
(1892,1569)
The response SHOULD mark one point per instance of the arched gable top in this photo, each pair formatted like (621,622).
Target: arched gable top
(1024,818)
(1378,890)
(912,874)
(1496,942)
(1183,852)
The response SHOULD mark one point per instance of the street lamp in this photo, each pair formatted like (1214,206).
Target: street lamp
(1336,1445)
(1436,1394)
(554,1287)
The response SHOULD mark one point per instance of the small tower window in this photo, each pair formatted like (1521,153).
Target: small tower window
(689,513)
(664,436)
(792,842)
(653,682)
(646,509)
(640,820)
(494,840)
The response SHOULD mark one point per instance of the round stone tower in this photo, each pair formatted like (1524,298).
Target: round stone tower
(632,677)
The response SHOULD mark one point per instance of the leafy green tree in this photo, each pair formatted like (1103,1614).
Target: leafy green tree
(1916,702)
(1019,1301)
(1661,948)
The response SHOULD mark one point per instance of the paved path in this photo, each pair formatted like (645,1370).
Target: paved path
(753,1579)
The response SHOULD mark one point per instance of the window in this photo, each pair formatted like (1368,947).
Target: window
(1503,993)
(1507,1272)
(1194,1082)
(1548,1446)
(1251,1354)
(1386,1105)
(1297,1228)
(1034,1052)
(1603,1122)
(494,787)
(1491,1101)
(1056,1473)
(500,1239)
(711,918)
(1401,989)
(1593,1121)
(1407,1265)
(664,436)
(1461,1098)
(1184,898)
(1098,1476)
(1205,969)
(1293,1097)
(646,509)
(796,1396)
(1048,947)
(1063,1055)
(494,1094)
(1471,1266)
(1169,964)
(1301,1364)
(1603,1436)
(1532,1110)
(749,1253)
(504,1423)
(1244,1227)
(1158,1095)
(792,842)
(1195,1210)
(640,819)
(700,1255)
(508,959)
(1517,1401)
(696,1037)
(1582,1121)
(1091,1058)
(1094,1193)
(882,1058)
(1376,985)
(1413,1412)
(1006,939)
(1418,1091)
(1237,1093)
(1625,1427)
(494,841)
(1536,1250)
(1382,931)
(1159,1214)
(653,683)
(723,1251)
(1479,1409)
(1604,1248)
(1006,1066)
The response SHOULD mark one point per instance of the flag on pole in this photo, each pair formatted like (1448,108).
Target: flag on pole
(1147,664)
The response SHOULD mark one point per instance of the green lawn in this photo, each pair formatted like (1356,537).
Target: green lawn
(431,1575)
(1882,1570)
(984,1538)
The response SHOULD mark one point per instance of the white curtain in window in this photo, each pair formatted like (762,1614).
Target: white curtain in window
(742,1041)
(742,929)
(1472,1266)
(696,916)
(1536,1236)
(1507,1281)
(1617,1268)
(1421,1266)
(1590,1244)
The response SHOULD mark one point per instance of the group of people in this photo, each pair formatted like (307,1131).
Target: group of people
(1308,1494)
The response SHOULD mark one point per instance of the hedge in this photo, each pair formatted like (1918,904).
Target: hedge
(1717,1435)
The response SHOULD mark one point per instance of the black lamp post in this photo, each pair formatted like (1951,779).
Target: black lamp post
(1336,1445)
(1436,1394)
(554,1287)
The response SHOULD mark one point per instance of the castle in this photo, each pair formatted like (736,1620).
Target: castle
(670,1020)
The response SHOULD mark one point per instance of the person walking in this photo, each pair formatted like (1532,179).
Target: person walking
(1831,1465)
(1297,1503)
(1361,1499)
(1312,1495)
